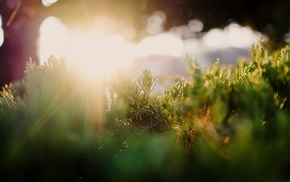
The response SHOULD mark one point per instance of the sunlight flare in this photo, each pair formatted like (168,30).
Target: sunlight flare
(98,55)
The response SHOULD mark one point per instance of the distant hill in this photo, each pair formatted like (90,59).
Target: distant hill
(173,66)
(226,56)
(170,66)
(159,65)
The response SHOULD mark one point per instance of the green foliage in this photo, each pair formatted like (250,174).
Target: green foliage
(225,123)
(143,111)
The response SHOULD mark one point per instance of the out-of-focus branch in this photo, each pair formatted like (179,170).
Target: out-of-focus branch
(14,13)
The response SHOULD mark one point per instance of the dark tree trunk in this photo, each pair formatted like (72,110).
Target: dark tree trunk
(21,26)
(19,45)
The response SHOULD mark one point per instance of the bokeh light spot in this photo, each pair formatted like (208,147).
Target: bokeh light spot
(1,32)
(232,36)
(155,22)
(195,25)
(48,2)
(162,44)
(53,39)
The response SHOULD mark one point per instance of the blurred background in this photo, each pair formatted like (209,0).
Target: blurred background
(103,35)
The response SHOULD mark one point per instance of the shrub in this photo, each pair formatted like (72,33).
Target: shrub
(225,123)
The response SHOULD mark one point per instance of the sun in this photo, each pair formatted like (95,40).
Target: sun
(95,54)
(98,55)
